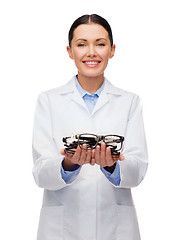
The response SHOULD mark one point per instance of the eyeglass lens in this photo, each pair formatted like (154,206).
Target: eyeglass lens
(114,141)
(90,139)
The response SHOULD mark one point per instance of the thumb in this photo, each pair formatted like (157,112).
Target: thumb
(121,157)
(62,151)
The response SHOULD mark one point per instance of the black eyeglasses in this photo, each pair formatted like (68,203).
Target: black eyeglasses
(115,142)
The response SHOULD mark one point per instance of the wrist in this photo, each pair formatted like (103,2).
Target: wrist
(68,165)
(110,169)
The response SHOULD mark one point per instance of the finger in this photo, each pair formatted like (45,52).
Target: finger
(97,155)
(92,162)
(103,155)
(109,159)
(93,153)
(121,157)
(62,151)
(88,156)
(83,155)
(76,155)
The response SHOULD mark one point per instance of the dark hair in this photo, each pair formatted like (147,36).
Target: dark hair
(88,19)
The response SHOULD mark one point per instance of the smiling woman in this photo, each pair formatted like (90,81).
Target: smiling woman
(91,49)
(87,192)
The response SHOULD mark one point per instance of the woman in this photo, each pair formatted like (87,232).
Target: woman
(87,194)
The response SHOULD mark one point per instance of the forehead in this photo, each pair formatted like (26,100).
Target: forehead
(90,31)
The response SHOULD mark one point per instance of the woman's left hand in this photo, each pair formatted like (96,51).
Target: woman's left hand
(102,156)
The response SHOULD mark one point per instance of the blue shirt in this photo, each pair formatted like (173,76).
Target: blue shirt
(90,101)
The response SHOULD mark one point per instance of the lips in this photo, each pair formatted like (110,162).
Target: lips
(91,63)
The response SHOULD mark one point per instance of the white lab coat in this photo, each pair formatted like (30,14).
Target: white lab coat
(91,207)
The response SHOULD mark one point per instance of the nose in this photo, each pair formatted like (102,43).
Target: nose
(91,51)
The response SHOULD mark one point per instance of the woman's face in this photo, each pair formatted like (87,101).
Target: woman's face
(91,49)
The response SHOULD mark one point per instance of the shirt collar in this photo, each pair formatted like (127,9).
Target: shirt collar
(84,92)
(70,87)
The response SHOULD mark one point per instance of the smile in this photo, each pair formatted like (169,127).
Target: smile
(91,63)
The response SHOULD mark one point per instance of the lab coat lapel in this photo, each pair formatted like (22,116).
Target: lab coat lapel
(105,95)
(76,97)
(73,94)
(102,100)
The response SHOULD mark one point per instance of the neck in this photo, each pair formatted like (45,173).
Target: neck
(90,84)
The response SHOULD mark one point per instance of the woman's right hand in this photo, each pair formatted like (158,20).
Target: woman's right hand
(80,157)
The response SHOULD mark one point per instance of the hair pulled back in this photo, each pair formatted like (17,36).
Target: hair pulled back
(89,19)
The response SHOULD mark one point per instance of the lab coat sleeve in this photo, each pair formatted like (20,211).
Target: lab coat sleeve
(133,168)
(47,159)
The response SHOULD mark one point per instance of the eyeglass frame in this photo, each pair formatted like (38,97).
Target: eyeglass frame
(114,151)
(100,138)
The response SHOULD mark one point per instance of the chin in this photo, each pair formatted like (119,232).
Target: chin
(91,74)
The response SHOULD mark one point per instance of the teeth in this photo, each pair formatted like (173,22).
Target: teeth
(91,63)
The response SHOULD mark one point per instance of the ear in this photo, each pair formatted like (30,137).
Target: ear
(113,48)
(69,52)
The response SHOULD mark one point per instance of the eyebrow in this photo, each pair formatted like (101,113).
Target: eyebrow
(85,40)
(101,39)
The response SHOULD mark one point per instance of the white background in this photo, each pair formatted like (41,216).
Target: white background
(33,59)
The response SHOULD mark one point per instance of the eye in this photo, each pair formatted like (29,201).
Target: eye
(81,45)
(101,44)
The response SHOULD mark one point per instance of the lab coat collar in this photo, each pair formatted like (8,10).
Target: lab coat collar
(74,95)
(71,87)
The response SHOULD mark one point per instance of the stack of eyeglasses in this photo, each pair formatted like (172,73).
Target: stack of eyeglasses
(115,142)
